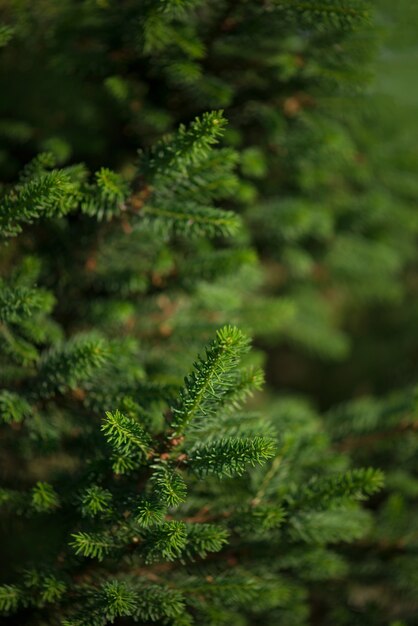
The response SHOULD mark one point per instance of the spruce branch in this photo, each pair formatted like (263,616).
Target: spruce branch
(6,34)
(107,197)
(166,541)
(11,596)
(325,13)
(92,545)
(119,599)
(187,146)
(44,587)
(212,178)
(247,382)
(185,218)
(353,485)
(124,433)
(156,602)
(16,347)
(212,378)
(230,457)
(95,500)
(237,587)
(130,442)
(149,512)
(13,407)
(70,364)
(204,538)
(20,303)
(259,518)
(44,498)
(322,527)
(169,486)
(49,194)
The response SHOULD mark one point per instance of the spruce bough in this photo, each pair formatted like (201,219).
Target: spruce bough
(136,487)
(149,534)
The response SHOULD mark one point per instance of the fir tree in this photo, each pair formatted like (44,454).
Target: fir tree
(179,175)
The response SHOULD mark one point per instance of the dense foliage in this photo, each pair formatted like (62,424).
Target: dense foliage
(179,175)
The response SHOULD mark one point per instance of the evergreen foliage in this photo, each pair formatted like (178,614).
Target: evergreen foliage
(176,177)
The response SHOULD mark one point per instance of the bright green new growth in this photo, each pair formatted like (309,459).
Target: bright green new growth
(130,443)
(44,497)
(189,146)
(213,377)
(94,546)
(119,599)
(169,485)
(95,501)
(49,194)
(179,172)
(231,457)
(150,512)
